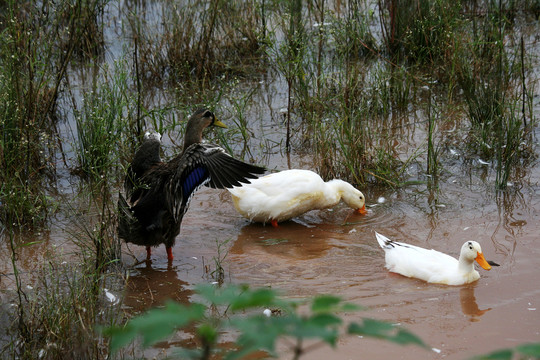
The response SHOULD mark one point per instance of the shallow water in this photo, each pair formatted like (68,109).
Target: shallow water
(335,252)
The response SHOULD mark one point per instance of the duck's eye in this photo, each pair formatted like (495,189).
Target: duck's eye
(470,246)
(209,114)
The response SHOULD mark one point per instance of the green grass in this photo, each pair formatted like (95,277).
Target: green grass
(106,114)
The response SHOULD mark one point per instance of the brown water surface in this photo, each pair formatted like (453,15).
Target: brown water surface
(335,252)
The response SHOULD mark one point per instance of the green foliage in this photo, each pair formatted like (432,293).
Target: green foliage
(256,331)
(421,31)
(155,325)
(529,351)
(199,42)
(101,124)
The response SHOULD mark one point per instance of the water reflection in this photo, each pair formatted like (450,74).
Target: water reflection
(150,286)
(291,240)
(468,302)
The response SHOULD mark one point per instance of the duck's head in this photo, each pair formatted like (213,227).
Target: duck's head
(202,119)
(355,199)
(471,251)
(199,121)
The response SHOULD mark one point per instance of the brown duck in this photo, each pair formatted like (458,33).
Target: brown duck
(158,193)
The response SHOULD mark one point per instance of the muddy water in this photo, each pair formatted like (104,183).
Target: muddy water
(335,252)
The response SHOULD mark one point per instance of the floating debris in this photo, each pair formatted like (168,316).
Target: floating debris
(482,162)
(113,299)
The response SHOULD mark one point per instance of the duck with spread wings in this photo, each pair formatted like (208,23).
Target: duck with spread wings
(158,193)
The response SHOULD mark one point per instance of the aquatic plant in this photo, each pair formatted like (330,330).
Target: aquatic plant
(102,123)
(198,44)
(30,76)
(419,31)
(56,315)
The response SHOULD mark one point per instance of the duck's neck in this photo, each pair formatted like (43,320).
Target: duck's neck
(193,135)
(335,189)
(465,266)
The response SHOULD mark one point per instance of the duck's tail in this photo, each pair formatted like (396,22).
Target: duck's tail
(384,242)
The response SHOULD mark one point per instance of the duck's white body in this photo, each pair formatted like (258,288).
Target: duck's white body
(284,195)
(431,265)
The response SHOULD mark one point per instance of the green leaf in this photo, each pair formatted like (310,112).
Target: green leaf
(262,297)
(220,296)
(323,327)
(384,330)
(257,333)
(505,354)
(325,320)
(405,337)
(120,336)
(155,325)
(208,332)
(325,303)
(529,349)
(330,303)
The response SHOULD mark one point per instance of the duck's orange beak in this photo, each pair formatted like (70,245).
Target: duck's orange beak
(480,259)
(362,210)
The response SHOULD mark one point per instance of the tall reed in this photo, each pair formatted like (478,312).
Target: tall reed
(199,42)
(103,123)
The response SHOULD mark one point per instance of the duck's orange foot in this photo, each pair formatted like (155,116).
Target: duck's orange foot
(274,223)
(170,256)
(148,252)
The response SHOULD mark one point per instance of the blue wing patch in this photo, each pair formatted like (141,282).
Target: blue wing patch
(194,180)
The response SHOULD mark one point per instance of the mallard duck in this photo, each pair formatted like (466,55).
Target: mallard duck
(286,194)
(158,193)
(431,265)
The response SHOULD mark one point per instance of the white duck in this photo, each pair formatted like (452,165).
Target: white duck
(431,265)
(286,194)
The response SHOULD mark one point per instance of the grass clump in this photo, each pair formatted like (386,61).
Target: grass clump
(200,42)
(102,123)
(58,314)
(492,78)
(420,31)
(28,93)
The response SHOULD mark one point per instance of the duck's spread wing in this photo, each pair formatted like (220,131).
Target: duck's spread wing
(208,164)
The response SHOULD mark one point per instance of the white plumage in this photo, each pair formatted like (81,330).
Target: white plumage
(431,265)
(286,194)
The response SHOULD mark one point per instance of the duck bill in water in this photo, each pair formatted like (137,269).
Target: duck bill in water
(480,259)
(362,210)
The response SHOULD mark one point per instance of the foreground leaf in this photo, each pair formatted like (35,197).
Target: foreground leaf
(155,325)
(386,331)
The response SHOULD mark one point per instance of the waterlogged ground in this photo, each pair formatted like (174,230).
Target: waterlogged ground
(332,251)
(335,252)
